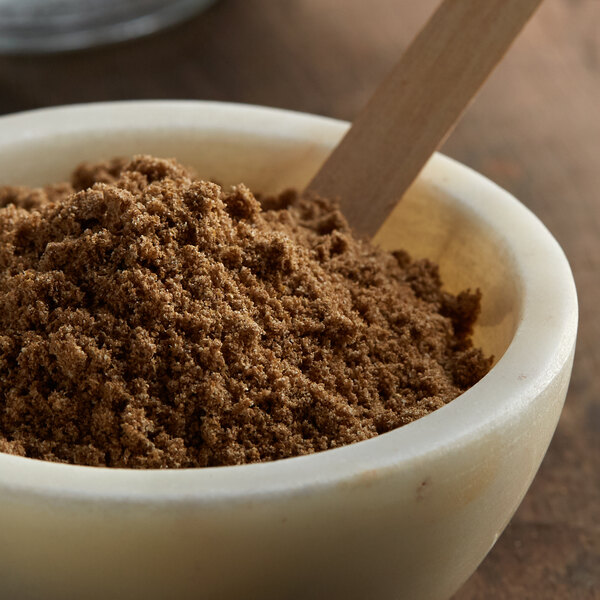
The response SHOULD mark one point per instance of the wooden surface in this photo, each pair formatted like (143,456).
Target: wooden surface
(416,106)
(534,129)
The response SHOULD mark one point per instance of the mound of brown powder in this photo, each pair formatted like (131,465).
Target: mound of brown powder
(151,320)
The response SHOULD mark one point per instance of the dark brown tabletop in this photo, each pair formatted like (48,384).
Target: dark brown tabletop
(534,129)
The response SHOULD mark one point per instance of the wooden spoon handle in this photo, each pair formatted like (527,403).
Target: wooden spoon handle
(415,108)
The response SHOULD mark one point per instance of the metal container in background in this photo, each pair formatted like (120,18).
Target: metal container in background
(28,26)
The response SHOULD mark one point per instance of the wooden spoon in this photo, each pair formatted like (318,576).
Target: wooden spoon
(415,108)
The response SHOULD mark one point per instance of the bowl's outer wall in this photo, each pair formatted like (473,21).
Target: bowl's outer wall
(409,527)
(398,533)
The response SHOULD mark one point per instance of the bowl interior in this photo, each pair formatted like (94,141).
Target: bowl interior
(480,236)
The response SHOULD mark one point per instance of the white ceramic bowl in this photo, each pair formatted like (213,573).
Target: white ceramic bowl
(409,514)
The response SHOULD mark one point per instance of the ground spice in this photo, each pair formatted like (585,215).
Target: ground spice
(148,319)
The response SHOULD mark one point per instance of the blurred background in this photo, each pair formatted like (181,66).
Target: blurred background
(534,129)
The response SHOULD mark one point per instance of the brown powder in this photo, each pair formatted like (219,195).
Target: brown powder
(151,320)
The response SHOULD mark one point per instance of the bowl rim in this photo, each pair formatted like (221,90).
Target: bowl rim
(549,313)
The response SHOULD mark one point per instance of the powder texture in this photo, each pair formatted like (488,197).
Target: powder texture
(150,320)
